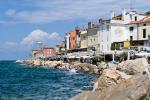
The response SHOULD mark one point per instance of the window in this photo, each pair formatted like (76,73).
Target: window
(144,24)
(135,18)
(107,38)
(73,38)
(102,47)
(107,27)
(79,35)
(84,37)
(131,38)
(102,28)
(144,33)
(130,16)
(131,28)
(107,47)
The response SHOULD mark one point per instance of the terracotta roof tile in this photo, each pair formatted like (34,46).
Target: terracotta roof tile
(146,19)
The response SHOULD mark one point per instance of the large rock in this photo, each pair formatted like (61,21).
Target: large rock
(129,81)
(110,77)
(134,88)
(132,67)
(93,69)
(37,63)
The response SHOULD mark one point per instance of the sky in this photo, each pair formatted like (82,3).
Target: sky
(24,22)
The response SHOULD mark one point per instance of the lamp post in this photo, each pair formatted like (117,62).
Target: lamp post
(113,56)
(128,54)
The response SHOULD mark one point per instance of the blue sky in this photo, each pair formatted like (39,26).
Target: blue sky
(22,22)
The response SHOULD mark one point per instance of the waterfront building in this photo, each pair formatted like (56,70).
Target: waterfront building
(92,36)
(73,40)
(58,49)
(67,41)
(48,52)
(144,31)
(37,53)
(104,36)
(123,30)
(84,39)
(78,32)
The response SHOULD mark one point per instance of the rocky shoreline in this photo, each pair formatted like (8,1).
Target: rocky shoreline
(129,80)
(79,67)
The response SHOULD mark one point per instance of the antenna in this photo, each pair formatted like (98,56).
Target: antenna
(131,5)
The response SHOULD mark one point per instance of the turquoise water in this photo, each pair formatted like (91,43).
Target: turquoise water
(21,82)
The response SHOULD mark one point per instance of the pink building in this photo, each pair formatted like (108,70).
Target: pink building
(48,52)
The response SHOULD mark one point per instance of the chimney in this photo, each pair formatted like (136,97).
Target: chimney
(93,25)
(123,13)
(100,21)
(112,14)
(89,25)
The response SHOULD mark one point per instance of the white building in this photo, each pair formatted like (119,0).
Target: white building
(105,37)
(67,41)
(119,29)
(122,28)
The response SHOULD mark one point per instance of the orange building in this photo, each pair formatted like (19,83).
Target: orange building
(73,39)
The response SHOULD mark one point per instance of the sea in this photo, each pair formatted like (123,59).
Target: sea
(23,82)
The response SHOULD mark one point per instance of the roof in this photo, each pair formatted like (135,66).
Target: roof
(83,32)
(119,17)
(144,20)
(147,13)
(48,48)
(36,49)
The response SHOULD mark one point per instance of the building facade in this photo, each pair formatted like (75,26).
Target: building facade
(48,52)
(144,31)
(84,39)
(78,32)
(73,40)
(105,36)
(67,41)
(37,53)
(58,49)
(122,28)
(92,36)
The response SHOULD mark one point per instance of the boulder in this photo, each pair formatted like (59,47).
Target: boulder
(134,88)
(37,63)
(110,77)
(19,61)
(129,80)
(132,67)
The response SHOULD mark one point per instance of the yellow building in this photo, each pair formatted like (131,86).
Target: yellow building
(126,44)
(144,30)
(83,39)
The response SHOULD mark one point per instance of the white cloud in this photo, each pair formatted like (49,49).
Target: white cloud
(36,35)
(33,37)
(8,45)
(54,36)
(10,12)
(12,44)
(9,22)
(39,35)
(55,10)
